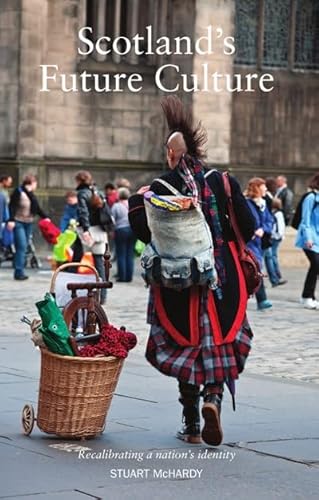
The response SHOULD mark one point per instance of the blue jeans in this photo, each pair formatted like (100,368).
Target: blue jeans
(261,293)
(22,234)
(274,248)
(99,264)
(124,245)
(269,263)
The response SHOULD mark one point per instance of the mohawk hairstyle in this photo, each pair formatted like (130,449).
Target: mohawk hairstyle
(180,120)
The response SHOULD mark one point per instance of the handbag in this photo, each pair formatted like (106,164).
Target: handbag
(266,241)
(248,261)
(100,204)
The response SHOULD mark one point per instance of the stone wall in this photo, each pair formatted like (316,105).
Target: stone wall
(9,76)
(214,109)
(110,133)
(276,133)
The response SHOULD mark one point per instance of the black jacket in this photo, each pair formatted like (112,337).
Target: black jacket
(87,215)
(15,201)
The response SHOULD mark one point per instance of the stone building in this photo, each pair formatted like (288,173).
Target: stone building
(55,133)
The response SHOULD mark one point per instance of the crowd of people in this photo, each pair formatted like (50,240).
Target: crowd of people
(270,201)
(101,218)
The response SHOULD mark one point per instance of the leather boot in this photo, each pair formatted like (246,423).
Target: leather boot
(189,398)
(212,432)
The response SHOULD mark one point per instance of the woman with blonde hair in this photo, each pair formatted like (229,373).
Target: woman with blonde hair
(255,192)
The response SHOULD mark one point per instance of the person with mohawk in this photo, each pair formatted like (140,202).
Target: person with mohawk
(199,335)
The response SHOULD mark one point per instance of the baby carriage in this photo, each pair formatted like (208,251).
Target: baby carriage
(75,393)
(7,250)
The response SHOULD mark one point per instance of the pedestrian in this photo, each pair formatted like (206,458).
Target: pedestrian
(199,336)
(23,207)
(123,237)
(112,196)
(111,193)
(271,185)
(123,182)
(286,196)
(3,213)
(70,210)
(261,241)
(5,185)
(308,239)
(92,232)
(277,235)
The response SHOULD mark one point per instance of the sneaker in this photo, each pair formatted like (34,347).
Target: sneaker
(21,278)
(309,303)
(265,304)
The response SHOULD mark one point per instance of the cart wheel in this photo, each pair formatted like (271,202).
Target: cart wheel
(27,419)
(77,309)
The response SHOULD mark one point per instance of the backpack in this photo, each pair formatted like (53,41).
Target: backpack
(298,212)
(99,204)
(181,253)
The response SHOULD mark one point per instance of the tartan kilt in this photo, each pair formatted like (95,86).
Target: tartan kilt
(203,364)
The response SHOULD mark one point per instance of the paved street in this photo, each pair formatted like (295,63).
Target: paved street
(270,445)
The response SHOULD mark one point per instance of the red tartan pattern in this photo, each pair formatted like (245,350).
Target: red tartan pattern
(205,364)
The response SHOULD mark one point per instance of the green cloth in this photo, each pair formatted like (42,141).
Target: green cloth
(54,329)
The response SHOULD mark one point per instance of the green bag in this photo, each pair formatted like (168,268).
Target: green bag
(54,329)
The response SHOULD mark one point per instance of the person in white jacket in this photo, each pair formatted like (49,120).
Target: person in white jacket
(277,235)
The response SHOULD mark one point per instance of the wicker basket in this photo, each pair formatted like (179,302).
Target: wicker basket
(75,394)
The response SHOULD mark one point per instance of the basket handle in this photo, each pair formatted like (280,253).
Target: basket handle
(65,266)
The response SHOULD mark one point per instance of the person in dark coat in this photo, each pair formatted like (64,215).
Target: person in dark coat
(23,207)
(92,233)
(198,335)
(261,241)
(286,196)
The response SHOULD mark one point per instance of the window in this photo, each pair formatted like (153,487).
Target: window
(124,18)
(246,31)
(307,35)
(277,33)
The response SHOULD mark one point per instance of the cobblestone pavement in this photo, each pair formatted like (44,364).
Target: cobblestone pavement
(286,342)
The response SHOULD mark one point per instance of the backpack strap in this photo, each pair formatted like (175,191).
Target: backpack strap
(207,174)
(231,211)
(169,187)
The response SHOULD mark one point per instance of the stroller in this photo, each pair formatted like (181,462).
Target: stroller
(7,251)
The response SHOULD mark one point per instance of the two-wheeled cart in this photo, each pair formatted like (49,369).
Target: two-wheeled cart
(75,393)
